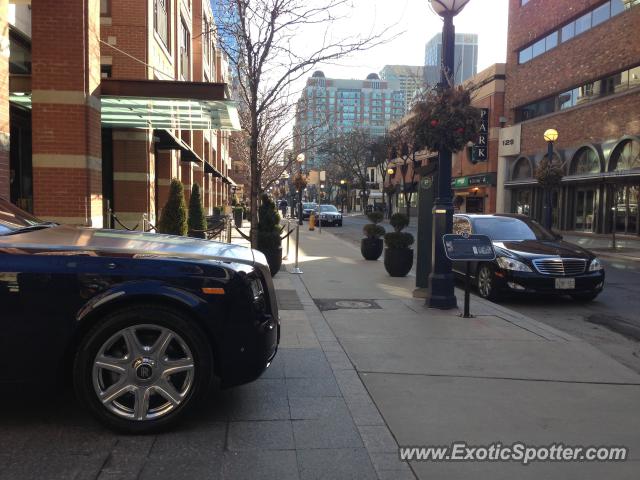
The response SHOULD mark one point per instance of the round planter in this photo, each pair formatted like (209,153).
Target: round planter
(371,248)
(274,259)
(398,261)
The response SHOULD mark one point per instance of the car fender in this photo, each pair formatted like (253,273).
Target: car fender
(142,290)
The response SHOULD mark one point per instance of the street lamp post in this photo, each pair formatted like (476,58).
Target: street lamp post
(391,172)
(442,294)
(550,136)
(300,160)
(342,189)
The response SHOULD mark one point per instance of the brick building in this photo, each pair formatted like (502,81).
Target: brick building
(574,65)
(106,102)
(473,171)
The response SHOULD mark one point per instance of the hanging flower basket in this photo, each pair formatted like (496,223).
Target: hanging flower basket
(445,119)
(549,173)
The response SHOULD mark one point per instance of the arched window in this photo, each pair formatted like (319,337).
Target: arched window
(585,161)
(522,169)
(626,156)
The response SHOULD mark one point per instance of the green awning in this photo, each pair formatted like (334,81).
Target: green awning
(153,113)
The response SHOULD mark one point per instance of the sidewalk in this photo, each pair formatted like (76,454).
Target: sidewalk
(437,378)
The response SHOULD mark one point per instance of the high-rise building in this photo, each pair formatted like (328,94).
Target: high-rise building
(329,106)
(411,79)
(465,57)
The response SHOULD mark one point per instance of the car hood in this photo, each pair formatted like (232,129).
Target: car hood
(69,240)
(543,248)
(335,214)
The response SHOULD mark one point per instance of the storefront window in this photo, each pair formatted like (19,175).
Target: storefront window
(522,170)
(586,161)
(522,201)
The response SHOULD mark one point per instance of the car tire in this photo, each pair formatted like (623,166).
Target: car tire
(485,282)
(148,403)
(585,297)
(339,224)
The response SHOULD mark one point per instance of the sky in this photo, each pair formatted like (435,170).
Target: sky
(415,23)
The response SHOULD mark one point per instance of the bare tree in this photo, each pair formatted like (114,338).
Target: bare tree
(351,153)
(262,40)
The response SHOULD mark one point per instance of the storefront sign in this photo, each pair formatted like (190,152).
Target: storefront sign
(474,181)
(509,141)
(480,149)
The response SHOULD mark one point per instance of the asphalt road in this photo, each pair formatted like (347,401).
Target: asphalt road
(616,308)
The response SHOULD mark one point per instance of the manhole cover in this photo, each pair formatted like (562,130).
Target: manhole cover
(336,304)
(352,304)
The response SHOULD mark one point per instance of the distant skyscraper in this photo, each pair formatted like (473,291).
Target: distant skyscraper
(411,80)
(329,106)
(465,58)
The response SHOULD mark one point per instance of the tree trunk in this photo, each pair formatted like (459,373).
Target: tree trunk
(255,180)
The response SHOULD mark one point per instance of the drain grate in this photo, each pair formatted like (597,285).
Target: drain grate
(325,304)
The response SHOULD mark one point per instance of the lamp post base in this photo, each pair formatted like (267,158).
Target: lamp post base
(442,288)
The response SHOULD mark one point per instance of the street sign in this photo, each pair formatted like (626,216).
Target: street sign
(468,248)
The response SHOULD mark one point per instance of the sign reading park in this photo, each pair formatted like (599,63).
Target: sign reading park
(468,248)
(481,148)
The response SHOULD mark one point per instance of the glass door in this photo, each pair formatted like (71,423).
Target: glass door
(584,209)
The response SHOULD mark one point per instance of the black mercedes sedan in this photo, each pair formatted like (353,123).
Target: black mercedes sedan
(140,323)
(529,260)
(329,215)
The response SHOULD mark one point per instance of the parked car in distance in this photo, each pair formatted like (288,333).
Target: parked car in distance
(329,215)
(308,208)
(141,323)
(529,260)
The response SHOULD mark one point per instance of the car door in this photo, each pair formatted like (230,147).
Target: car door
(38,298)
(461,225)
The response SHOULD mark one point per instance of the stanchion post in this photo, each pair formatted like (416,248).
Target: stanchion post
(296,269)
(286,257)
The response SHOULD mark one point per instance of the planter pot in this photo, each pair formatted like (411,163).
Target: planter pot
(398,261)
(237,218)
(274,259)
(371,248)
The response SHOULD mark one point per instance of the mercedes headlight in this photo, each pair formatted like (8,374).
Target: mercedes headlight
(595,265)
(507,263)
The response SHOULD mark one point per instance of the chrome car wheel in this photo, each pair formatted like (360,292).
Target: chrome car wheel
(143,372)
(485,282)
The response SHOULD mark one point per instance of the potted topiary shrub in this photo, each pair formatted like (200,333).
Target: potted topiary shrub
(173,219)
(269,234)
(197,222)
(371,246)
(398,257)
(237,216)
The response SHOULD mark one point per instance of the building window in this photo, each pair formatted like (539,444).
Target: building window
(585,162)
(105,8)
(626,156)
(616,83)
(105,71)
(590,19)
(185,51)
(161,20)
(19,53)
(206,40)
(522,170)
